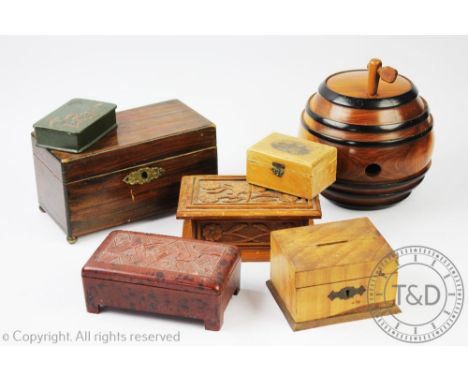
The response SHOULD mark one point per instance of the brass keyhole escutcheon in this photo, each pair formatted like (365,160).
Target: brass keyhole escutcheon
(144,175)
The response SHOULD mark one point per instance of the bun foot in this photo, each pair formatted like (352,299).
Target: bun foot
(72,239)
(213,324)
(93,308)
(42,210)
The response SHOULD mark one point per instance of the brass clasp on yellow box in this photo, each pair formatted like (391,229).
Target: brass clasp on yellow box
(144,175)
(278,169)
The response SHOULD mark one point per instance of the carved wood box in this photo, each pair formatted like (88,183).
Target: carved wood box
(164,275)
(292,165)
(132,173)
(228,209)
(331,273)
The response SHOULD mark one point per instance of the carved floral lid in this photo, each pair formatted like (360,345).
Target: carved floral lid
(214,196)
(162,261)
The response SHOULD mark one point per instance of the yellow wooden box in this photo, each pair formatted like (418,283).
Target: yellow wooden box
(331,273)
(291,165)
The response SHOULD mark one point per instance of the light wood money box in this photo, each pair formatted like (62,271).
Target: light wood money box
(330,273)
(291,165)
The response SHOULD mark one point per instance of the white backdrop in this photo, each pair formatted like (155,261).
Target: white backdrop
(249,86)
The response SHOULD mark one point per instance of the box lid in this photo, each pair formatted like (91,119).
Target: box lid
(75,116)
(296,152)
(76,125)
(143,134)
(334,252)
(213,196)
(163,261)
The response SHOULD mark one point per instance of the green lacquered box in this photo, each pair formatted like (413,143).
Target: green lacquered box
(76,125)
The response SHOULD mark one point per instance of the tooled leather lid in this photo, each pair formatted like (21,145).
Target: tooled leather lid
(375,88)
(163,261)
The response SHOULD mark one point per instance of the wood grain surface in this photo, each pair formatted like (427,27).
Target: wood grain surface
(370,311)
(86,192)
(384,140)
(291,165)
(323,271)
(231,196)
(228,209)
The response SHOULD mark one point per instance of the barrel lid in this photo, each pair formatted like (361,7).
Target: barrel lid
(375,88)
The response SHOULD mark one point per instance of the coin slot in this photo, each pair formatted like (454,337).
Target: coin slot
(332,243)
(373,170)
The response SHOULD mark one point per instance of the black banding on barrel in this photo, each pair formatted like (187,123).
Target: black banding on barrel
(367,103)
(390,142)
(377,129)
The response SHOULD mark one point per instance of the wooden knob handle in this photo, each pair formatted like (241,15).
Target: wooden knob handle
(377,72)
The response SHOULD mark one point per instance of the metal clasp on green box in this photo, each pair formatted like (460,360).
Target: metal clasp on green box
(76,125)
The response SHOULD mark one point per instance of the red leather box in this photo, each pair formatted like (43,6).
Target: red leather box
(162,274)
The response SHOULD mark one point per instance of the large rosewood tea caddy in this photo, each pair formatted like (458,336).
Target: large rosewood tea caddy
(162,274)
(382,129)
(130,174)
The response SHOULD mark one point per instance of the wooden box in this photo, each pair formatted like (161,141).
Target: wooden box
(132,173)
(291,165)
(228,209)
(76,125)
(321,274)
(162,274)
(382,129)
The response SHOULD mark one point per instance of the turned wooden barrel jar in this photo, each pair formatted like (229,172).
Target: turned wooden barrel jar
(382,129)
